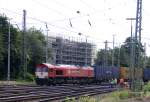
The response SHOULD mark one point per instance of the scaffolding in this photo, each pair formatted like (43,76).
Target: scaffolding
(72,52)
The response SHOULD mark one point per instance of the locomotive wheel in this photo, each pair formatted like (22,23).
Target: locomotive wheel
(48,83)
(39,82)
(54,82)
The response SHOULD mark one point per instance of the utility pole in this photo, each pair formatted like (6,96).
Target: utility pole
(8,71)
(119,56)
(144,55)
(113,51)
(138,31)
(46,54)
(24,59)
(105,56)
(132,52)
(131,19)
(138,20)
(86,52)
(137,81)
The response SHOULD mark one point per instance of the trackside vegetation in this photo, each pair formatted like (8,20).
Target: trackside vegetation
(35,42)
(123,95)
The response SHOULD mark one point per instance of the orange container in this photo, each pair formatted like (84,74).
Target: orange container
(124,72)
(127,73)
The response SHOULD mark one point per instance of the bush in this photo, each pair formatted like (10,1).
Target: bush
(146,87)
(83,98)
(124,95)
(28,77)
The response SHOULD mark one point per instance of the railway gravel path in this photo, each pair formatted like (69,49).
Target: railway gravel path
(27,93)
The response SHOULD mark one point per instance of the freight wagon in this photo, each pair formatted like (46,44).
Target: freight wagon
(146,74)
(105,73)
(127,73)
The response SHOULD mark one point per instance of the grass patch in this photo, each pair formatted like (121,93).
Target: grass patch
(28,77)
(117,96)
(18,82)
(146,90)
(24,82)
(124,94)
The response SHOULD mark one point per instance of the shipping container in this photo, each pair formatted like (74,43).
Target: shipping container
(124,72)
(146,76)
(103,73)
(127,73)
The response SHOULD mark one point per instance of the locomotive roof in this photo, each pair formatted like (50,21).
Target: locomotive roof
(46,64)
(64,66)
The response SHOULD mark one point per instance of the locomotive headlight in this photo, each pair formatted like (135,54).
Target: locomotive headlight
(46,76)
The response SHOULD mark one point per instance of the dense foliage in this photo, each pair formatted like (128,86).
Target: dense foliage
(122,55)
(35,49)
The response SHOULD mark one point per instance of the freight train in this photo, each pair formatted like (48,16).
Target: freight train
(48,74)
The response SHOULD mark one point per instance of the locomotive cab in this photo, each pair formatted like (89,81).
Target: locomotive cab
(41,74)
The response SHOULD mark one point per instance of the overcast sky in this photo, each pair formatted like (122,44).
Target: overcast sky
(107,17)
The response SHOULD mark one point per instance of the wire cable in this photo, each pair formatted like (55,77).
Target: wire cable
(46,6)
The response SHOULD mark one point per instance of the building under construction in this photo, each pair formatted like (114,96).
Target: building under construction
(66,51)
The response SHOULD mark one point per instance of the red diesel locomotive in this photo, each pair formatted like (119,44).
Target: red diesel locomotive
(62,74)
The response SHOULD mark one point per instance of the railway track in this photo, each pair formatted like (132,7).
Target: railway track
(49,93)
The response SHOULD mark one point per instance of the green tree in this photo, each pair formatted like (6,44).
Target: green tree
(147,62)
(103,57)
(100,57)
(127,52)
(35,48)
(15,58)
(1,49)
(122,55)
(15,52)
(3,26)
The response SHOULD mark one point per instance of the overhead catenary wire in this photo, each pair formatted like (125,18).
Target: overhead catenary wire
(64,6)
(67,9)
(42,21)
(59,20)
(63,27)
(35,19)
(67,18)
(87,5)
(48,7)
